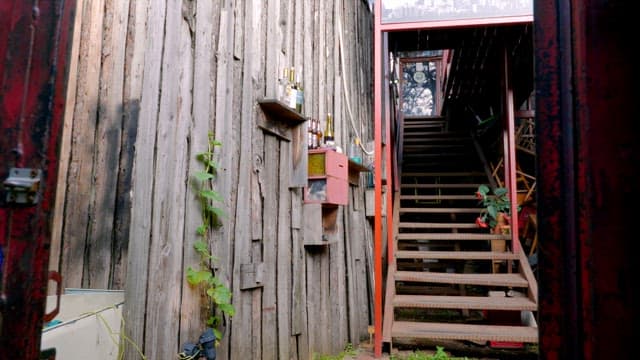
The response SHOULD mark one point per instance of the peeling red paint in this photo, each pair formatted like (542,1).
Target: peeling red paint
(34,46)
(587,175)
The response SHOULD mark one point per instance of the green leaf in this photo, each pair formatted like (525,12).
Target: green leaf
(220,295)
(483,189)
(211,321)
(202,230)
(211,195)
(217,333)
(203,156)
(195,277)
(203,176)
(217,211)
(500,191)
(201,247)
(493,212)
(227,309)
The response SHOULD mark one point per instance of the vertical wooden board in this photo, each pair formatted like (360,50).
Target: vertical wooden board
(227,182)
(351,285)
(269,243)
(338,335)
(299,156)
(240,9)
(165,281)
(320,39)
(192,316)
(360,238)
(140,228)
(298,310)
(273,38)
(80,173)
(325,317)
(244,324)
(314,300)
(108,142)
(310,94)
(55,252)
(284,258)
(265,321)
(133,71)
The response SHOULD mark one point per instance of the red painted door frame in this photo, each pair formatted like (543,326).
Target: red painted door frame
(35,38)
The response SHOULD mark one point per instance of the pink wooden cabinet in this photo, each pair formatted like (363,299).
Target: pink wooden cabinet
(328,178)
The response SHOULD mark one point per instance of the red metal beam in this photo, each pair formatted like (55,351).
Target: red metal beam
(421,25)
(34,48)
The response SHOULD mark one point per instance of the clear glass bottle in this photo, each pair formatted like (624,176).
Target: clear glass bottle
(329,140)
(284,87)
(292,95)
(299,94)
(354,150)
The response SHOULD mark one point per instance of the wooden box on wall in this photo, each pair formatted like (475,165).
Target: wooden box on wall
(328,175)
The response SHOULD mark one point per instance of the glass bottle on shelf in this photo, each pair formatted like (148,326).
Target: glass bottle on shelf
(329,140)
(299,94)
(310,133)
(292,95)
(354,150)
(284,87)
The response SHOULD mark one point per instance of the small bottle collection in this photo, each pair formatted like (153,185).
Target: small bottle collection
(290,91)
(291,94)
(317,138)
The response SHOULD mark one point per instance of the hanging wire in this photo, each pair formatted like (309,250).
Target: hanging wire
(345,87)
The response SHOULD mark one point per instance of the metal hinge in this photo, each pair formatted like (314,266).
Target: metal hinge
(22,186)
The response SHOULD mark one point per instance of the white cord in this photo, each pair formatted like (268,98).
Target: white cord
(344,85)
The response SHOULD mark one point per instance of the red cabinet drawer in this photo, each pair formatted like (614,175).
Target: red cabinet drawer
(327,190)
(327,162)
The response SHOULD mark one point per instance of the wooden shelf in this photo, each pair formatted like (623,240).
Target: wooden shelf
(354,172)
(279,119)
(278,111)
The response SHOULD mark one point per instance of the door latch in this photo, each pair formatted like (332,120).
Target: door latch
(22,186)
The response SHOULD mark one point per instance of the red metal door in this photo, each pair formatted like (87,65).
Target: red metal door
(34,43)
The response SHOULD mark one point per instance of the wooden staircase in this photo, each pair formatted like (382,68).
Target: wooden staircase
(445,282)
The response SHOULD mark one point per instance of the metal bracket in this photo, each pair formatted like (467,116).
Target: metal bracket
(22,186)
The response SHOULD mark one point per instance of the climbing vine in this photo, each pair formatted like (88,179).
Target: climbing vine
(204,276)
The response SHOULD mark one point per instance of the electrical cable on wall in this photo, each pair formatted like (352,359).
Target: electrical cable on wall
(344,85)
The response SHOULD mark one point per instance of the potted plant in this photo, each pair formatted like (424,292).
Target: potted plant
(497,206)
(495,216)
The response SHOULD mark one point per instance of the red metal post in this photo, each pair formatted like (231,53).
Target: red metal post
(377,223)
(34,46)
(510,151)
(588,157)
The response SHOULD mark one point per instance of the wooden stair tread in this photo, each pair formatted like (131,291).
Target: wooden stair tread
(425,225)
(441,331)
(456,255)
(439,186)
(444,174)
(514,280)
(464,302)
(462,141)
(431,146)
(438,197)
(440,210)
(452,236)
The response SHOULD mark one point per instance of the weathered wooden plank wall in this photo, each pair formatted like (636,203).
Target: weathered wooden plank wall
(153,78)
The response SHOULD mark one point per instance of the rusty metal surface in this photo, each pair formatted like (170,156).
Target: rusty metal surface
(588,160)
(34,38)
